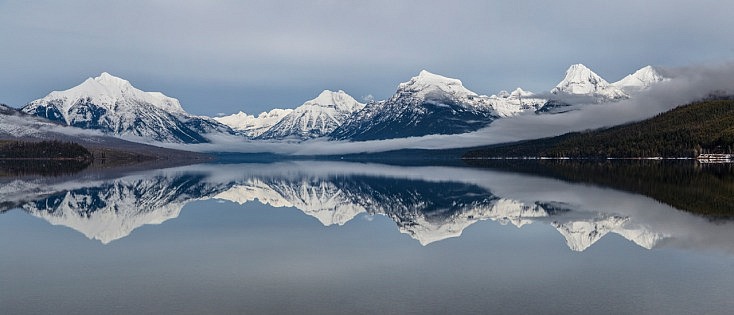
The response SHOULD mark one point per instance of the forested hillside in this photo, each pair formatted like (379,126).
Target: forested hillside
(686,131)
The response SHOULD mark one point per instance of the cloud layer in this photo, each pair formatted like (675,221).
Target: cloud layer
(227,56)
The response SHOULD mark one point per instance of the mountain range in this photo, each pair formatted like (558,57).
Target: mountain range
(426,104)
(427,211)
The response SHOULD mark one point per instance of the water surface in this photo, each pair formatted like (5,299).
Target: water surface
(332,237)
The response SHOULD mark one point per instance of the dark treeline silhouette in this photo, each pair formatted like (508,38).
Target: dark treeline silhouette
(686,131)
(43,150)
(43,167)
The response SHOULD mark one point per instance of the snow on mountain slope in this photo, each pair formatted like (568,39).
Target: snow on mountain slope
(427,211)
(427,231)
(321,200)
(107,224)
(109,210)
(640,235)
(113,105)
(427,85)
(581,234)
(519,101)
(315,118)
(426,218)
(640,80)
(580,80)
(252,126)
(107,91)
(426,104)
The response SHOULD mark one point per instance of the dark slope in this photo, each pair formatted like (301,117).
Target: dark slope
(397,118)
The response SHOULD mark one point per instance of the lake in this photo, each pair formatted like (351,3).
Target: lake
(323,237)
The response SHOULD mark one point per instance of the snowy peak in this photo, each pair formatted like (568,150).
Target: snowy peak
(426,82)
(640,80)
(113,105)
(518,93)
(315,118)
(425,77)
(340,99)
(580,80)
(253,126)
(107,79)
(107,91)
(426,104)
(519,101)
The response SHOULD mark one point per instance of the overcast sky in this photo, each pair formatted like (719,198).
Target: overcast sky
(255,55)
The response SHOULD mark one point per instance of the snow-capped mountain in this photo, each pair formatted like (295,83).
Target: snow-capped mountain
(640,80)
(113,105)
(315,118)
(113,209)
(251,126)
(508,104)
(427,104)
(580,80)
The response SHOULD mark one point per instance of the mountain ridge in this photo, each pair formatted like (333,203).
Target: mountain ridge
(580,80)
(426,104)
(114,106)
(315,118)
(640,80)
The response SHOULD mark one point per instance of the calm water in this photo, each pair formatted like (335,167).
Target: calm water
(330,237)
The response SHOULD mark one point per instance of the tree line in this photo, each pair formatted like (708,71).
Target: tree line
(51,149)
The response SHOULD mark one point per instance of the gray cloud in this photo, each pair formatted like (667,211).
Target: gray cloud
(227,56)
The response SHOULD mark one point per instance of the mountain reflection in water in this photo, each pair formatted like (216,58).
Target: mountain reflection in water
(427,203)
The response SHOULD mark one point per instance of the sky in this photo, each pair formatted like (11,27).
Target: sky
(228,56)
